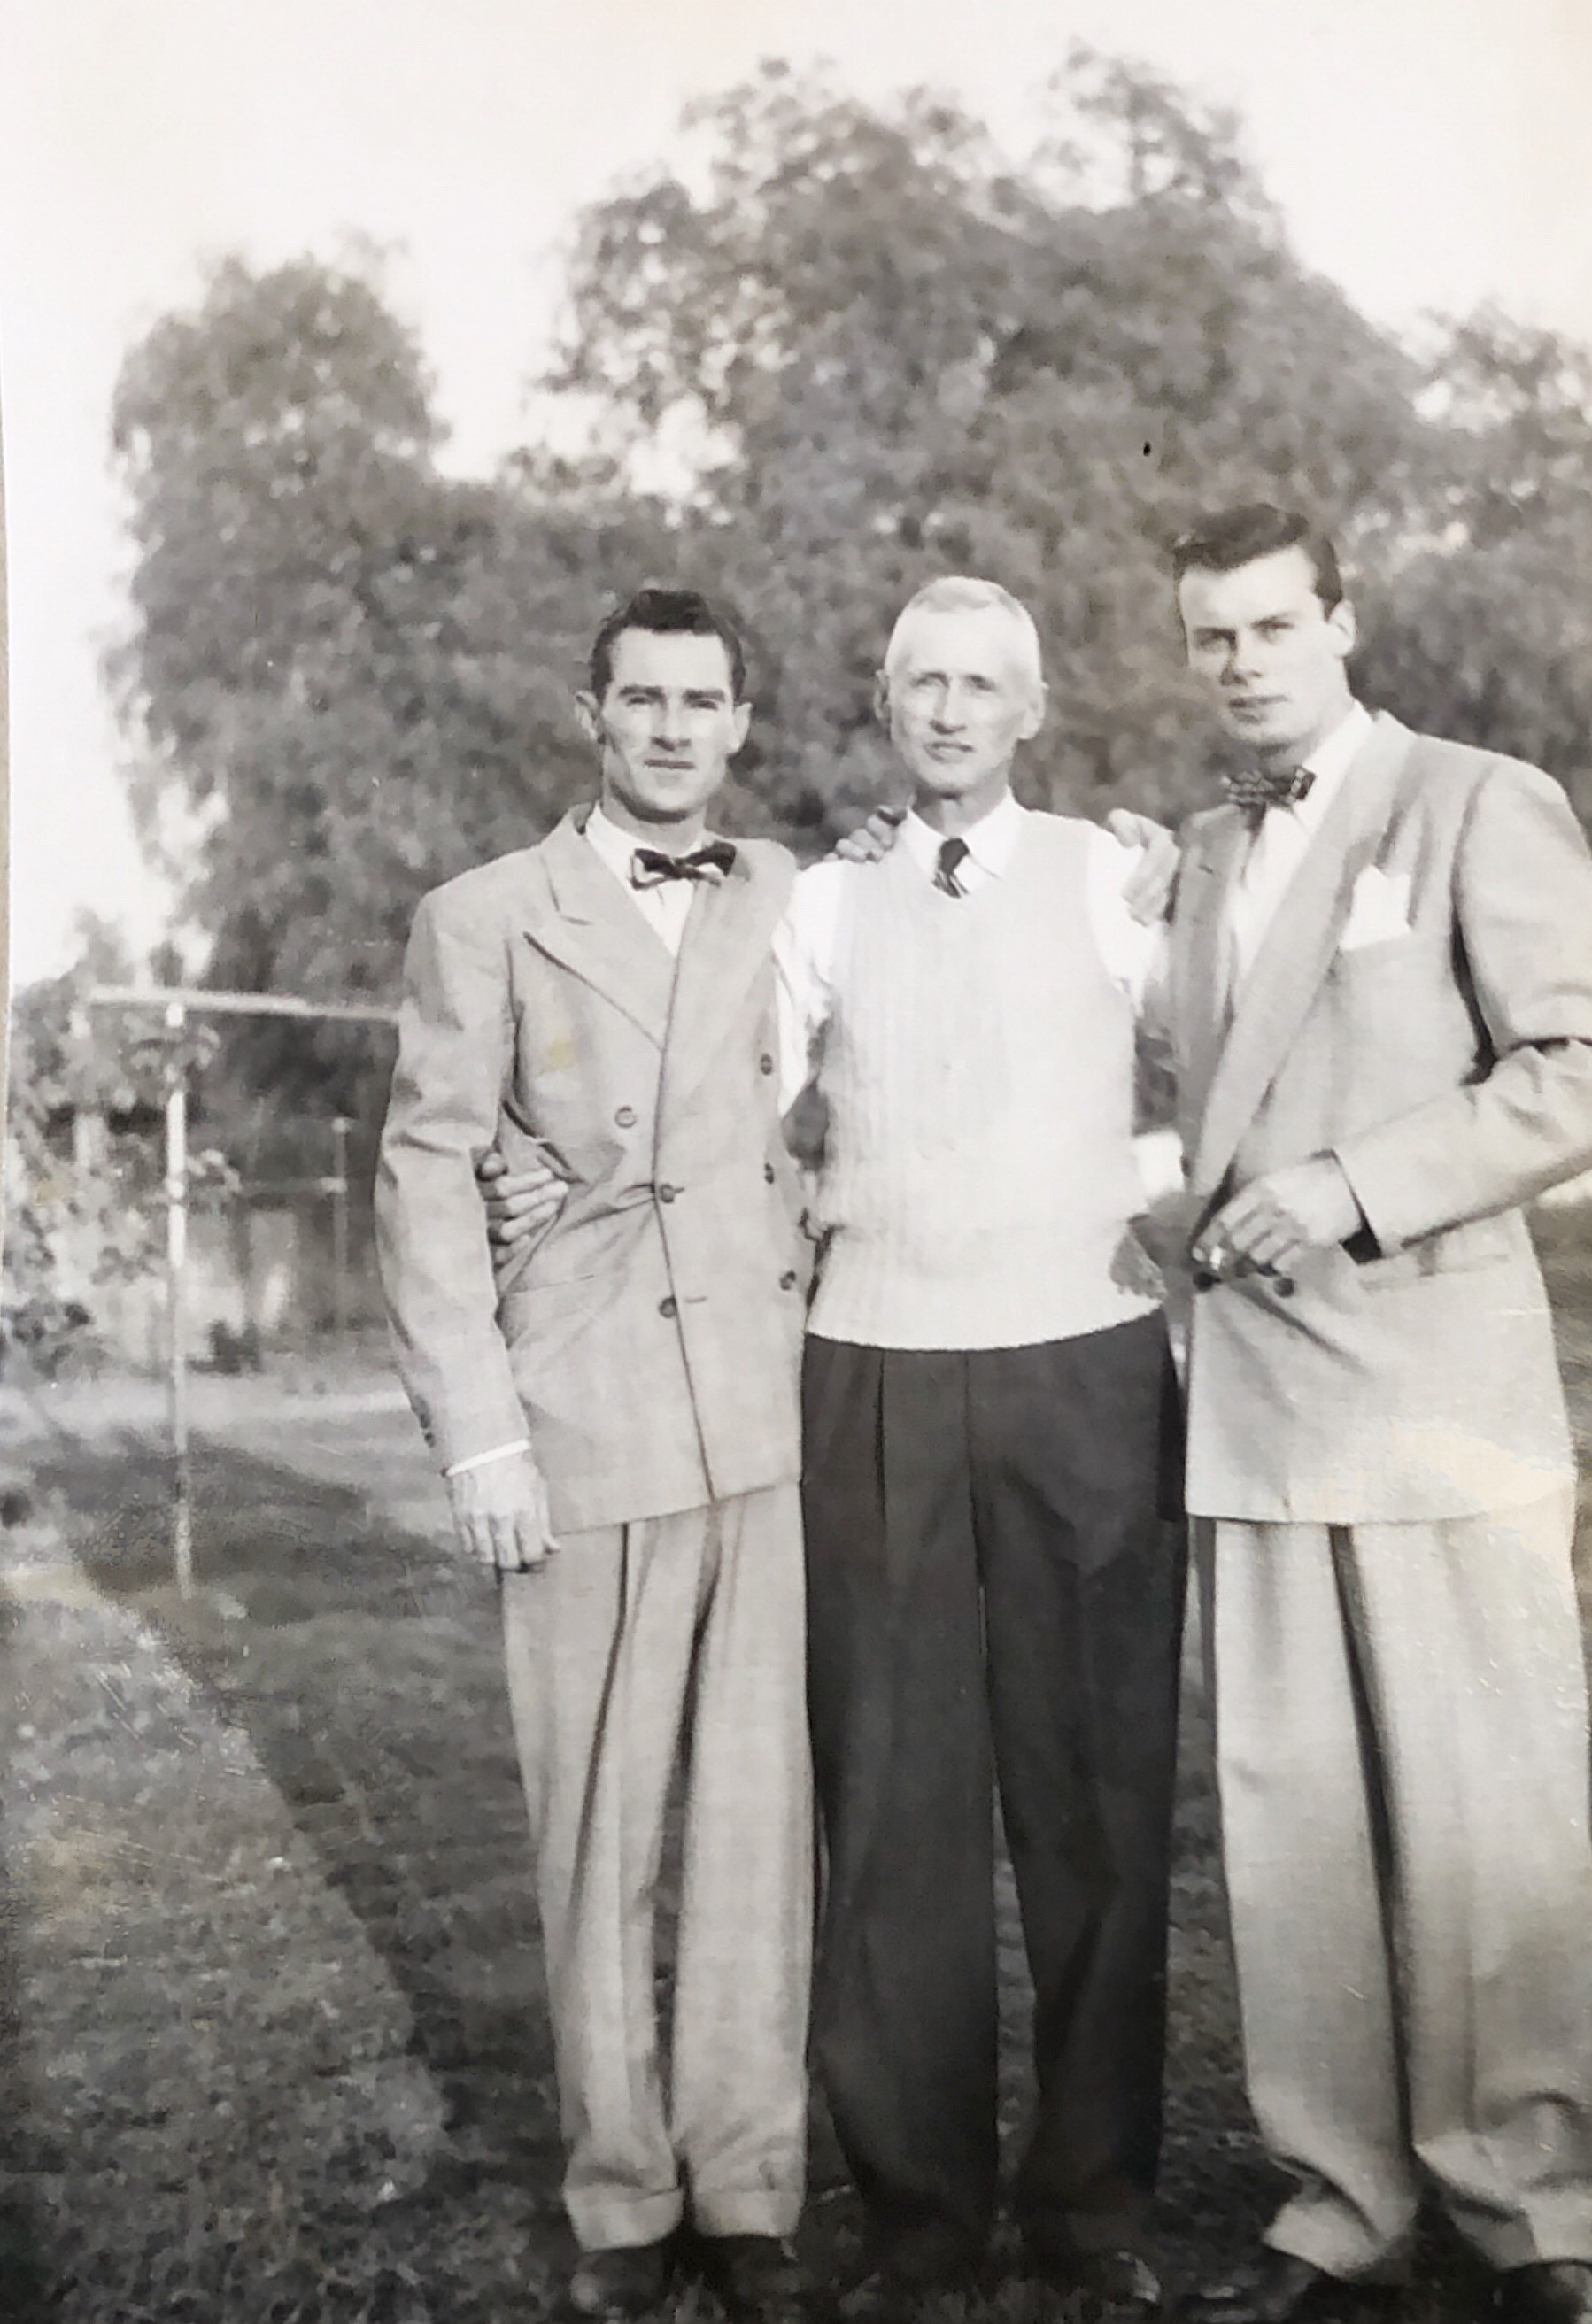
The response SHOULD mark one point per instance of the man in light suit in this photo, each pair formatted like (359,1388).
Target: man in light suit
(616,1419)
(1380,1000)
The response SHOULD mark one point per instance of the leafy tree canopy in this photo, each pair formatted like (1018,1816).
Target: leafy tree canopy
(836,350)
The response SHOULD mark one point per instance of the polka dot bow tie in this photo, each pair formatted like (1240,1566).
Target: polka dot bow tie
(649,867)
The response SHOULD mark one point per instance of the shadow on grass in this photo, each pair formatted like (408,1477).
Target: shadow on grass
(366,1673)
(365,1670)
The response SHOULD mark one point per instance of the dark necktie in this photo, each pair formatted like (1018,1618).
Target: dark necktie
(953,854)
(649,867)
(1254,790)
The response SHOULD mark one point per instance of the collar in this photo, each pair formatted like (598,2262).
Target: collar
(990,841)
(1330,763)
(616,847)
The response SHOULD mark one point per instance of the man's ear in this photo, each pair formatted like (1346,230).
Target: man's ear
(881,699)
(1345,629)
(1033,717)
(740,721)
(588,715)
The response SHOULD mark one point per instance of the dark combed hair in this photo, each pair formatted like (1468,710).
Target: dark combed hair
(1229,537)
(666,612)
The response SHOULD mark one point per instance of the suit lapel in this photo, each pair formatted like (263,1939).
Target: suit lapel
(592,929)
(1295,953)
(727,940)
(1198,980)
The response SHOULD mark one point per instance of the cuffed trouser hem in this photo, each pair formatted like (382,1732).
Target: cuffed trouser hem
(621,2222)
(1565,2234)
(1336,2249)
(753,2211)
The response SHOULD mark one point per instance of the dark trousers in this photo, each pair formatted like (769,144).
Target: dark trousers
(994,1588)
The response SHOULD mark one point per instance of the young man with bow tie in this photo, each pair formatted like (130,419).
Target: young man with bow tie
(1381,1005)
(615,1415)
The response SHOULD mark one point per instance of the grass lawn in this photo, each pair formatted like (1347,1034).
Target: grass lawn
(273,2035)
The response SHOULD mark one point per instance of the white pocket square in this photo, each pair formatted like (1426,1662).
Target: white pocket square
(1379,910)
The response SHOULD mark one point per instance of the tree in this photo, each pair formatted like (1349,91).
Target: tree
(349,674)
(898,357)
(837,349)
(1487,627)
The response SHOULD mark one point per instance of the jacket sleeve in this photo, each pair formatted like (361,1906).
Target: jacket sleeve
(1522,901)
(455,1053)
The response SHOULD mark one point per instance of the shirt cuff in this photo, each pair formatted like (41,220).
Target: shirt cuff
(1159,1154)
(481,1460)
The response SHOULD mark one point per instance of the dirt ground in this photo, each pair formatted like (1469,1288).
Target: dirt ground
(273,2036)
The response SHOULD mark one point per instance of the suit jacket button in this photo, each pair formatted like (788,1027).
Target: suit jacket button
(765,1062)
(626,1117)
(666,1307)
(768,1173)
(788,1280)
(667,1194)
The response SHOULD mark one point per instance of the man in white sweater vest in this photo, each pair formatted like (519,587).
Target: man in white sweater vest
(987,1418)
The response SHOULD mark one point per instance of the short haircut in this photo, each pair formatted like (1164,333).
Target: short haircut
(958,593)
(667,613)
(1229,537)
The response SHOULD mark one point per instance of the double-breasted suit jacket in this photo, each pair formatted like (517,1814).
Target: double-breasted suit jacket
(648,1342)
(1421,1007)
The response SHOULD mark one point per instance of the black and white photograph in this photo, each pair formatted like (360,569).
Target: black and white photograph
(796,1339)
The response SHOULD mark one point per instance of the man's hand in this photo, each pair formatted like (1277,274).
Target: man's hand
(519,1205)
(871,839)
(1149,887)
(1275,1221)
(500,1513)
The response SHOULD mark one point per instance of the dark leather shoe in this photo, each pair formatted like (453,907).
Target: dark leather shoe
(1277,2290)
(897,2280)
(1120,2283)
(758,2279)
(1114,2283)
(615,2287)
(1547,2292)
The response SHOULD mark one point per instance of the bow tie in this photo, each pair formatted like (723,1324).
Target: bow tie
(649,867)
(1254,792)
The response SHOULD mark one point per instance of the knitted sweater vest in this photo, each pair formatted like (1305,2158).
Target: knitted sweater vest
(978,1070)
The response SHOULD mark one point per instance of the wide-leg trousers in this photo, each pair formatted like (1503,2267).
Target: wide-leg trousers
(992,1587)
(635,1644)
(1401,1746)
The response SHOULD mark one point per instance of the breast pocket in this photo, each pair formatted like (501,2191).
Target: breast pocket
(1399,1031)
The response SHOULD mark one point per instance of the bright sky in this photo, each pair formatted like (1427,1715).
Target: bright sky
(1426,153)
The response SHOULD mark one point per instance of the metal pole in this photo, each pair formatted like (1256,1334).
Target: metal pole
(176,1287)
(341,1126)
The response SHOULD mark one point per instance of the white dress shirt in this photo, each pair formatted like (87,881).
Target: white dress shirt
(665,904)
(1280,845)
(808,944)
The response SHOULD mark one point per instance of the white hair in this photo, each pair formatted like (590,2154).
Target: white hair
(959,592)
